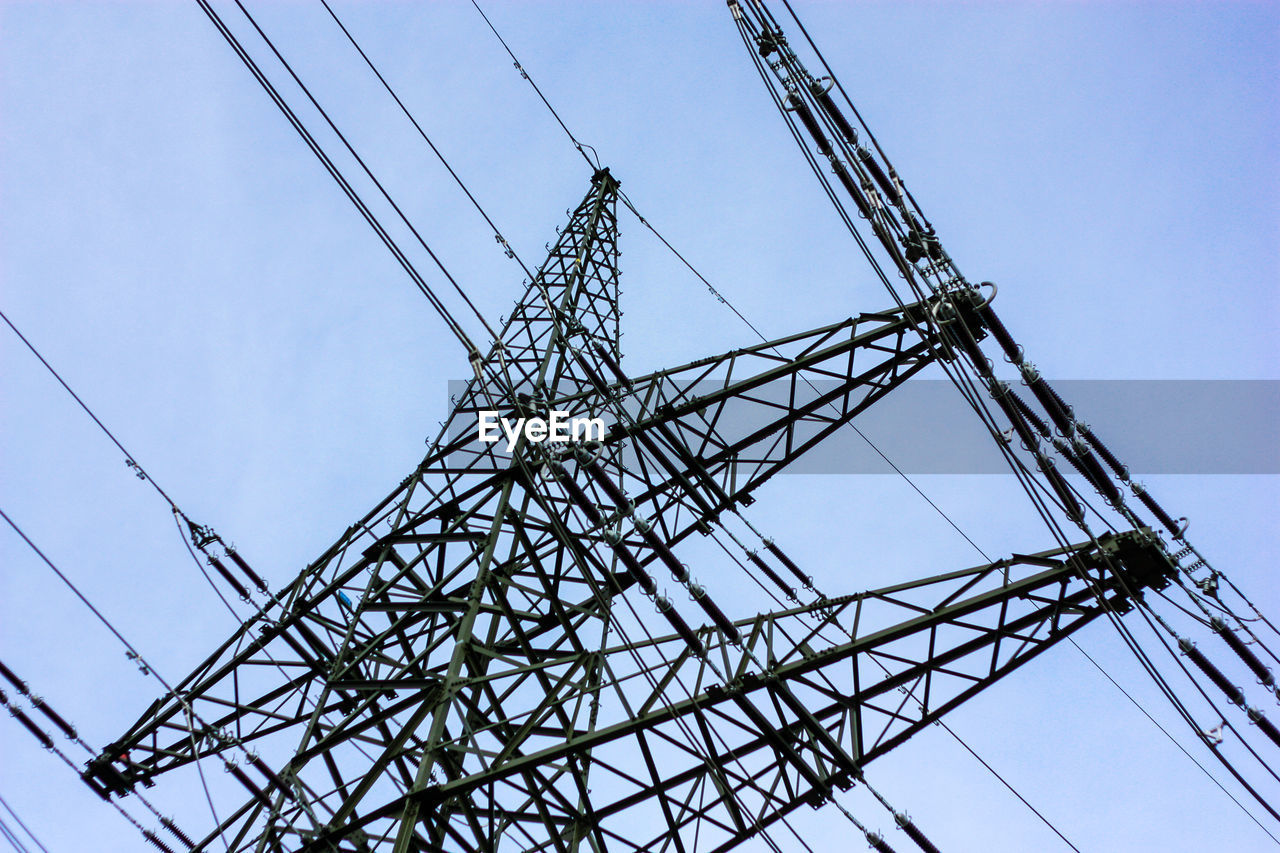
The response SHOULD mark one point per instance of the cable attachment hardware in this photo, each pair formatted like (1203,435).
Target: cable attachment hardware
(976,294)
(1209,585)
(913,832)
(943,312)
(878,843)
(477,364)
(768,41)
(821,86)
(137,660)
(104,777)
(201,536)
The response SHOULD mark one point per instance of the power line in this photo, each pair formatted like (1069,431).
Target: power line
(146,669)
(24,827)
(1066,497)
(678,255)
(525,74)
(652,229)
(178,515)
(130,460)
(348,190)
(1172,739)
(133,653)
(368,172)
(1014,790)
(12,837)
(425,138)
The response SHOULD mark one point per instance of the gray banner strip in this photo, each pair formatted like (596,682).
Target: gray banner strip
(1176,426)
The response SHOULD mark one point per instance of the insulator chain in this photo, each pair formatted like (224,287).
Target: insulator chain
(204,539)
(1074,439)
(1233,693)
(903,821)
(47,742)
(1260,670)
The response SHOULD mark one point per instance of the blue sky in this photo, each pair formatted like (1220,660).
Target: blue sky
(173,249)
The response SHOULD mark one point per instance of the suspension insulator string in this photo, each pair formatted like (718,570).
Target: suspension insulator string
(154,841)
(713,610)
(102,763)
(756,560)
(29,724)
(39,704)
(1246,654)
(1176,529)
(768,572)
(1064,419)
(874,839)
(904,822)
(771,40)
(780,555)
(1233,693)
(1079,452)
(1000,392)
(47,742)
(1029,440)
(176,832)
(1120,470)
(201,536)
(1208,588)
(228,577)
(667,609)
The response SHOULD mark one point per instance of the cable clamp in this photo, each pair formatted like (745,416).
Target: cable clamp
(935,313)
(477,364)
(137,659)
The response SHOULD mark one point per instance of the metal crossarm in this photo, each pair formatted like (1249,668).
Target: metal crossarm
(770,740)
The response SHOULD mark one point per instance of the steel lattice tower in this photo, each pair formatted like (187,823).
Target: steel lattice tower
(476,664)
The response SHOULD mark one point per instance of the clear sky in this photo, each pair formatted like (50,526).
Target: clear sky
(172,248)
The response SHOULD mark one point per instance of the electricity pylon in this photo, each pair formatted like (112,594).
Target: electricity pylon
(485,662)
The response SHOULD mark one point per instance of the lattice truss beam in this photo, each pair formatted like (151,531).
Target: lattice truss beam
(472,665)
